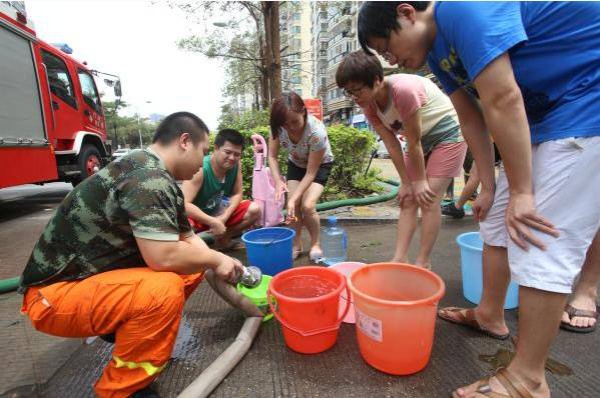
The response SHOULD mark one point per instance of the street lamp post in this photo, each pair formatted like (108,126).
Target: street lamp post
(140,127)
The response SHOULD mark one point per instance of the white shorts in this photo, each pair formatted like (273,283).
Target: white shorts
(566,183)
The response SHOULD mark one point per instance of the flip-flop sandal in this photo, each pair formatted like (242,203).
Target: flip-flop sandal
(514,387)
(574,312)
(467,319)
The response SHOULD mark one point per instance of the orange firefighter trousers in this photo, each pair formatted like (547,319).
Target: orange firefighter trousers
(141,306)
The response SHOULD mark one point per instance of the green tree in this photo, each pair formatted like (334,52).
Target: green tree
(261,60)
(125,131)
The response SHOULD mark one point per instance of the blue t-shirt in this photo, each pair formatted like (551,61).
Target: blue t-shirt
(554,50)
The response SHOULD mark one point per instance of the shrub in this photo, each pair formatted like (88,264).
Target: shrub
(351,149)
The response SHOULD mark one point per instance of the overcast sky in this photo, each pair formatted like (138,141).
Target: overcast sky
(135,39)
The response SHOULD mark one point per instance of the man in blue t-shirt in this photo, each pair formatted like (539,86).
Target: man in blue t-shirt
(529,73)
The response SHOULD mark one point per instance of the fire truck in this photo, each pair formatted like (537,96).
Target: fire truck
(52,125)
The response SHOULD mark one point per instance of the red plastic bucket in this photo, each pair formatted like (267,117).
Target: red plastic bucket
(306,301)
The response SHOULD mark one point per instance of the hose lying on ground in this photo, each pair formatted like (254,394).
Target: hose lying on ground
(212,376)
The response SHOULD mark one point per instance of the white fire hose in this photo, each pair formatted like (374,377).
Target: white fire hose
(212,376)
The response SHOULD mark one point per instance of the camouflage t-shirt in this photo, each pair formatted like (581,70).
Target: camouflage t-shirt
(95,226)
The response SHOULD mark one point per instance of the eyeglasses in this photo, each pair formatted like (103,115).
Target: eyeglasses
(353,92)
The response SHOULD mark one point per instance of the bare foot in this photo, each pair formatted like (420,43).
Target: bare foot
(315,253)
(581,302)
(400,260)
(425,264)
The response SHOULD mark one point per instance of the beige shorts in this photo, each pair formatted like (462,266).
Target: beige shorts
(566,183)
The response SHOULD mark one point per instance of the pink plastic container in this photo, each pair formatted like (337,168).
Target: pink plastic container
(346,269)
(263,186)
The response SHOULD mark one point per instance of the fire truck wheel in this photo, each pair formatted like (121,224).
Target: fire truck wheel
(89,163)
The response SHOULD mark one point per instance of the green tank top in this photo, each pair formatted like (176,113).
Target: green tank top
(212,191)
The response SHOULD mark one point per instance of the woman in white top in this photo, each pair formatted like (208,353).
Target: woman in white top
(309,164)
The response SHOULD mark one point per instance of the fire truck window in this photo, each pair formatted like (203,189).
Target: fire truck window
(59,79)
(88,89)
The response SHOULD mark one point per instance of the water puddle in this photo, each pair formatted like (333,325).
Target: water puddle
(187,343)
(503,356)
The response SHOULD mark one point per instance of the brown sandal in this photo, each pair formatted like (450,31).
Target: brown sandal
(515,388)
(574,312)
(468,319)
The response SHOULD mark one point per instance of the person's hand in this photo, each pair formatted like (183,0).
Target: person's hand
(217,227)
(422,193)
(280,189)
(291,209)
(521,215)
(221,217)
(228,269)
(482,204)
(404,193)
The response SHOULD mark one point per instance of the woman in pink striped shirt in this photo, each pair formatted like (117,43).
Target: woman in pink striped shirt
(415,107)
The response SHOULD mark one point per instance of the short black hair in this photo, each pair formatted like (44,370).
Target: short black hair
(359,67)
(230,135)
(178,123)
(378,19)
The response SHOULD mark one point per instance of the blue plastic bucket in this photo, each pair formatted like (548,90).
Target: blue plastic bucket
(471,253)
(270,249)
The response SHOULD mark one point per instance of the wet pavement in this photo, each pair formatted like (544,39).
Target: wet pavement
(270,369)
(40,365)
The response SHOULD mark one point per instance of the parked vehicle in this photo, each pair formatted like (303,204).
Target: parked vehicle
(52,125)
(119,153)
(382,152)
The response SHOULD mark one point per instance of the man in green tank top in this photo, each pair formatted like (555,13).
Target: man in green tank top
(213,197)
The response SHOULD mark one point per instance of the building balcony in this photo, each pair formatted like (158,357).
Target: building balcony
(337,104)
(338,20)
(349,33)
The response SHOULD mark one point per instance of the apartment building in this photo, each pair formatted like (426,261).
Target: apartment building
(342,40)
(296,47)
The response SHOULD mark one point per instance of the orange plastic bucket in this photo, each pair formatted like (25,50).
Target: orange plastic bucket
(306,300)
(396,306)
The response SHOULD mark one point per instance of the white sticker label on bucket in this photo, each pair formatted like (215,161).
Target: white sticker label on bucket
(370,326)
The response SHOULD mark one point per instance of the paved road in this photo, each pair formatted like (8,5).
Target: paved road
(24,211)
(32,357)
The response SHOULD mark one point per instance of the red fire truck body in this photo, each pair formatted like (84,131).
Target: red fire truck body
(52,125)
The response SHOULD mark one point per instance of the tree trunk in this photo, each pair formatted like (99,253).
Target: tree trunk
(276,46)
(257,102)
(272,45)
(266,9)
(264,79)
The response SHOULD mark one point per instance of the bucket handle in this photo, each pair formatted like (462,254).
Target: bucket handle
(313,332)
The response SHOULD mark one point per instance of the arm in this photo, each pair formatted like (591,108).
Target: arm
(274,166)
(504,112)
(470,187)
(395,150)
(474,131)
(236,196)
(189,255)
(190,190)
(421,190)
